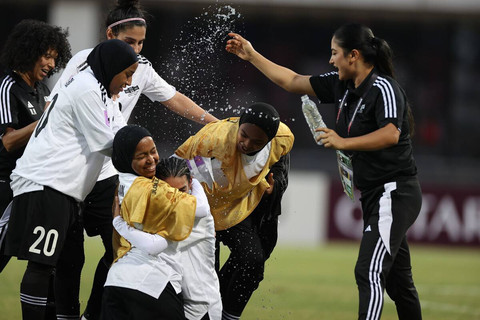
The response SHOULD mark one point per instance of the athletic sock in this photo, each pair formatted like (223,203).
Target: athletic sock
(35,292)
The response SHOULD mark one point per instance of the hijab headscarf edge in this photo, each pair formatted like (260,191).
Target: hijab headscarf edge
(124,146)
(263,115)
(109,58)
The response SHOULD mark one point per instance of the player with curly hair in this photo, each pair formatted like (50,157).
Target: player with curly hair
(34,50)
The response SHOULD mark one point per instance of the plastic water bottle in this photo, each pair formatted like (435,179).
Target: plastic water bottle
(313,117)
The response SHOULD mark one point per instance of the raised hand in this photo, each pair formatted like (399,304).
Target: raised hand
(240,46)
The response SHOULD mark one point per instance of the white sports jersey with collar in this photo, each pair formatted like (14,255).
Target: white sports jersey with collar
(145,80)
(64,151)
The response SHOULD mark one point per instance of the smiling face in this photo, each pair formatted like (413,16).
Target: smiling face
(44,65)
(145,158)
(122,79)
(133,36)
(251,138)
(341,61)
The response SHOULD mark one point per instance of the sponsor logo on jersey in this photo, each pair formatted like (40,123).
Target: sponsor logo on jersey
(69,81)
(31,108)
(131,90)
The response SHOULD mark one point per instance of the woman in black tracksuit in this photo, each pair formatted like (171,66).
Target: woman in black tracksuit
(372,133)
(33,51)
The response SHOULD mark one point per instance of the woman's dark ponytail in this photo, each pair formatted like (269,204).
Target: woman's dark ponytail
(374,50)
(384,57)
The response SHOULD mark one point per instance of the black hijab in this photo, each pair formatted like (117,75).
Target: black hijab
(109,58)
(263,115)
(124,145)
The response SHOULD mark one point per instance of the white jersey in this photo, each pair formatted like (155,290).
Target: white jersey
(193,258)
(145,81)
(67,148)
(208,170)
(200,285)
(156,271)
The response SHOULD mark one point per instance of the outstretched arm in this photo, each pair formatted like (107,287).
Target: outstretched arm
(184,106)
(281,76)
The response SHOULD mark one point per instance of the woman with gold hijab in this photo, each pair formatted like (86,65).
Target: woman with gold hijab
(243,166)
(140,284)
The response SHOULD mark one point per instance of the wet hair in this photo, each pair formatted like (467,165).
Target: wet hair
(31,39)
(172,167)
(125,9)
(375,51)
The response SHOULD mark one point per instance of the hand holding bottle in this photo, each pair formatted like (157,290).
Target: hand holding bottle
(313,117)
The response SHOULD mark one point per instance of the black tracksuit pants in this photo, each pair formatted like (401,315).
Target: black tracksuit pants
(250,242)
(384,257)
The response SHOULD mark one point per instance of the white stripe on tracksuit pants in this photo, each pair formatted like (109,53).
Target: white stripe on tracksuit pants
(384,257)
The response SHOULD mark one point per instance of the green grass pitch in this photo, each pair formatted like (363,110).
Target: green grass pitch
(318,283)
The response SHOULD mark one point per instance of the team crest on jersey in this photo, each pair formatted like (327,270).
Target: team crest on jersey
(69,81)
(31,108)
(362,107)
(107,118)
(131,90)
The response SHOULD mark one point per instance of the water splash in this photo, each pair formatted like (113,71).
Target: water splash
(199,67)
(199,63)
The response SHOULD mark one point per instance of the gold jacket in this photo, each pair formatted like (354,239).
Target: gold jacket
(159,208)
(231,204)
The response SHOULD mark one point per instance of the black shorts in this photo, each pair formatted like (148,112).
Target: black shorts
(120,303)
(40,224)
(6,194)
(4,227)
(97,207)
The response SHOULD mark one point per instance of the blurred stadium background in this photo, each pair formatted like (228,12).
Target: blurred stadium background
(437,59)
